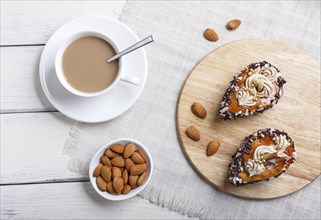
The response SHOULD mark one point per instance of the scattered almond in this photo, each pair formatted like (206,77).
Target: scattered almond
(102,185)
(199,110)
(125,176)
(133,181)
(129,150)
(141,179)
(106,173)
(142,154)
(116,172)
(97,170)
(129,163)
(212,147)
(118,148)
(118,161)
(106,161)
(118,184)
(210,35)
(111,154)
(193,133)
(233,24)
(138,169)
(137,158)
(126,189)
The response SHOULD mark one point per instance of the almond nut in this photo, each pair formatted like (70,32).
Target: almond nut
(129,163)
(118,161)
(137,158)
(142,154)
(118,184)
(233,24)
(212,147)
(210,35)
(126,189)
(110,188)
(129,150)
(260,86)
(141,179)
(199,110)
(138,169)
(102,185)
(111,154)
(118,148)
(97,170)
(116,172)
(133,181)
(125,176)
(193,133)
(106,161)
(106,173)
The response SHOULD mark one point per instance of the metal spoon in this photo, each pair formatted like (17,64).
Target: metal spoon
(137,45)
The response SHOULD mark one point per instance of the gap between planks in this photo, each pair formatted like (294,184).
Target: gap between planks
(21,111)
(70,180)
(23,45)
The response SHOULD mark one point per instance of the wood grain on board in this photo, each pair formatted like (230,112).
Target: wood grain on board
(297,113)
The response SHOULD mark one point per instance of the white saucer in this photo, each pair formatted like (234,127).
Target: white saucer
(109,105)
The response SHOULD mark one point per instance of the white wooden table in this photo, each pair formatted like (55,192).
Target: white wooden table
(35,181)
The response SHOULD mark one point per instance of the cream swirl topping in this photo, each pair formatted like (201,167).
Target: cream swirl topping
(270,73)
(246,97)
(255,166)
(260,150)
(261,84)
(257,85)
(282,144)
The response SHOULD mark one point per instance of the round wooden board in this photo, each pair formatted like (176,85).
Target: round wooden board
(297,113)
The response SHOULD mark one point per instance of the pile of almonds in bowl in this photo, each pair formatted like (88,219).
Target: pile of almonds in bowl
(121,169)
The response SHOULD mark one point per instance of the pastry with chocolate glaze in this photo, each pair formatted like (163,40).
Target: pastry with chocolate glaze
(263,155)
(255,89)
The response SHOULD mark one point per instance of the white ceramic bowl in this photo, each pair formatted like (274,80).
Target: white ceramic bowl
(96,160)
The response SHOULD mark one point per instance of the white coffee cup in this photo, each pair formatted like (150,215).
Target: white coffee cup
(119,77)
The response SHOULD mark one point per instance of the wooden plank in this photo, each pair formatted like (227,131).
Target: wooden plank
(207,85)
(33,22)
(31,148)
(74,201)
(20,85)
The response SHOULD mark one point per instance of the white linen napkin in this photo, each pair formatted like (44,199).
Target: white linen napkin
(177,28)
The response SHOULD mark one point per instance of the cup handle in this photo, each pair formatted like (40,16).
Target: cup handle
(130,79)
